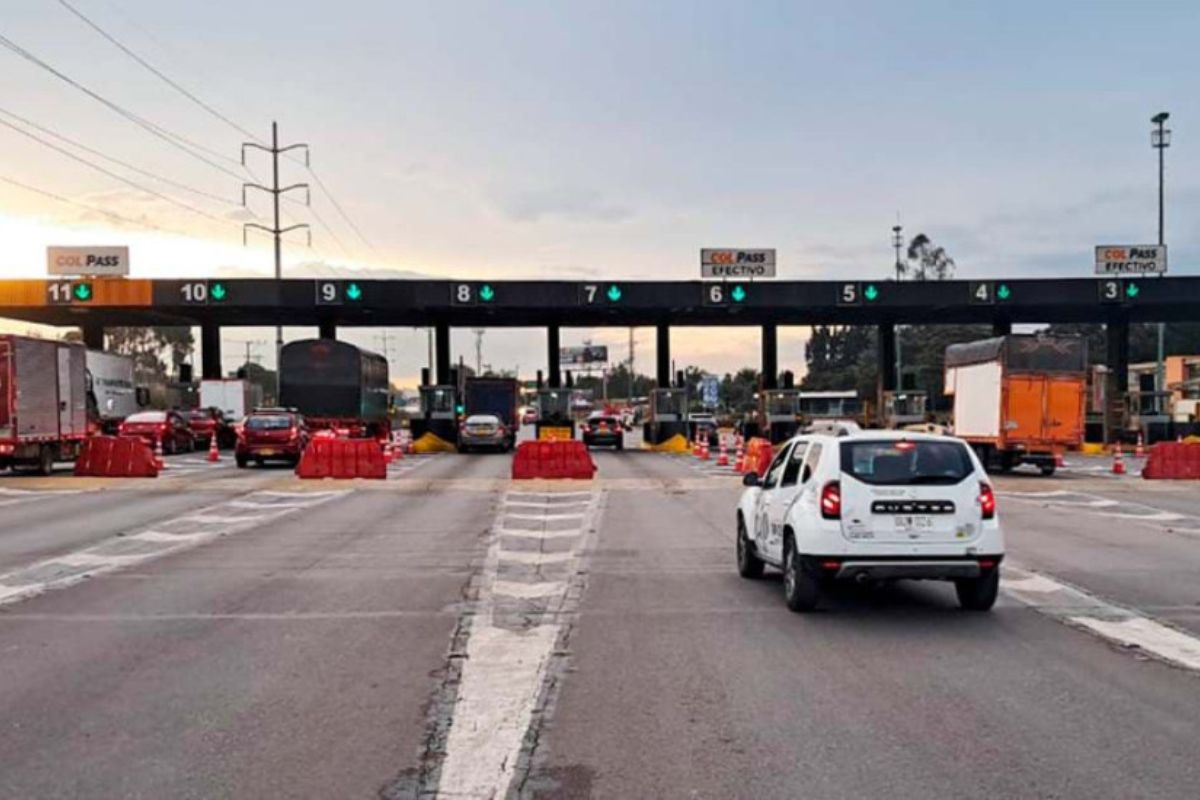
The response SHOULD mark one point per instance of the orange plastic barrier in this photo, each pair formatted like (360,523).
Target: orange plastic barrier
(116,457)
(342,459)
(1173,461)
(553,459)
(758,455)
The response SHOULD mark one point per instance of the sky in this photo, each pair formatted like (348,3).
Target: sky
(586,139)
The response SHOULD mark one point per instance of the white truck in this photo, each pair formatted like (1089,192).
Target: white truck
(43,402)
(233,396)
(112,390)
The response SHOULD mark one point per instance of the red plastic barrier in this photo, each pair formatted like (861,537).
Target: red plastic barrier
(342,459)
(553,459)
(116,457)
(1173,461)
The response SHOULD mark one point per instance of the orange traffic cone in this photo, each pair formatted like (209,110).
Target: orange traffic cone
(696,445)
(159,461)
(704,454)
(213,453)
(389,454)
(1140,450)
(1118,466)
(723,457)
(1059,461)
(739,461)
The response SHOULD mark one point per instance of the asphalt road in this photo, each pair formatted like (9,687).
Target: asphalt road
(241,634)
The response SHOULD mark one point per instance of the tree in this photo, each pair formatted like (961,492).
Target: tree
(737,390)
(841,358)
(932,261)
(147,346)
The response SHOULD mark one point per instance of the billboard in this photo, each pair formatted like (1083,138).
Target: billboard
(87,261)
(1131,259)
(583,356)
(733,262)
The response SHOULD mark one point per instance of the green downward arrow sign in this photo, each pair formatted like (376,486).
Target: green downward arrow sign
(614,293)
(353,291)
(738,294)
(486,293)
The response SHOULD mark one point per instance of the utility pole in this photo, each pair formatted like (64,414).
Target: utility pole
(276,192)
(479,350)
(1160,140)
(898,243)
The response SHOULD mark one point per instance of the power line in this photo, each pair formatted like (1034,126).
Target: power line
(127,51)
(175,140)
(111,174)
(111,214)
(114,160)
(222,117)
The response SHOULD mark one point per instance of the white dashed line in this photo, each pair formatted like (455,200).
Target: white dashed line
(1124,626)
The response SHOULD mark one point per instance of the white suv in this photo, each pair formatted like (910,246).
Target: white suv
(872,506)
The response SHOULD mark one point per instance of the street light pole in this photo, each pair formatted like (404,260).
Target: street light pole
(898,243)
(1160,140)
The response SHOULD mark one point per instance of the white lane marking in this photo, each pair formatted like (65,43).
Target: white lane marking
(537,558)
(543,517)
(527,590)
(550,494)
(1148,635)
(532,504)
(1132,510)
(507,657)
(1125,626)
(41,492)
(17,585)
(537,533)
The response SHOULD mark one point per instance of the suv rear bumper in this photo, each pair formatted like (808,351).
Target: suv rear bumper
(901,567)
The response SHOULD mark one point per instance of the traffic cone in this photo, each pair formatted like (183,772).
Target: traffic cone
(159,461)
(1118,466)
(723,457)
(1140,450)
(704,454)
(1059,461)
(739,461)
(696,445)
(389,454)
(213,453)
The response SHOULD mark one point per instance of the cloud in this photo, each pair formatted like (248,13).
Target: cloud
(564,202)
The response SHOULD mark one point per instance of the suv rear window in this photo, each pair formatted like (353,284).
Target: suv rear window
(903,462)
(273,422)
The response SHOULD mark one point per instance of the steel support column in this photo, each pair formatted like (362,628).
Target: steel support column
(441,346)
(327,329)
(1116,339)
(886,335)
(552,355)
(770,356)
(663,355)
(93,335)
(1001,327)
(210,352)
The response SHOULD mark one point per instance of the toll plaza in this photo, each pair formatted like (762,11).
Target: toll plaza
(93,304)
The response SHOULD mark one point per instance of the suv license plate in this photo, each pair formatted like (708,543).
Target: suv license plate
(913,522)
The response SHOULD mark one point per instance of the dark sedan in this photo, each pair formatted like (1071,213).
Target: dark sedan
(601,430)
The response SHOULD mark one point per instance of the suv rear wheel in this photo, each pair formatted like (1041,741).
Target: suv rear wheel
(978,594)
(749,564)
(801,591)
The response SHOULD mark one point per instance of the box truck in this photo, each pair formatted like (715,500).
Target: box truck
(233,396)
(336,385)
(43,402)
(1019,399)
(112,392)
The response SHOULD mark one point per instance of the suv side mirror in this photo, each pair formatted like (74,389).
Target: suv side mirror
(750,479)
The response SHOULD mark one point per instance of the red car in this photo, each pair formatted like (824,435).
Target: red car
(206,423)
(169,427)
(279,434)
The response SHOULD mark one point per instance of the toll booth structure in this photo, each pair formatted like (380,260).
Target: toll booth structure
(666,430)
(435,429)
(554,414)
(904,408)
(779,410)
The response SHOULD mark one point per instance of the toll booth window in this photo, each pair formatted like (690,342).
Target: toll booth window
(781,405)
(437,400)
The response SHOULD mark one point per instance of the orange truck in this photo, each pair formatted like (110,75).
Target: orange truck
(1019,399)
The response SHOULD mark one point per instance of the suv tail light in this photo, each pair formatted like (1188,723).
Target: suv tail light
(831,500)
(987,501)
